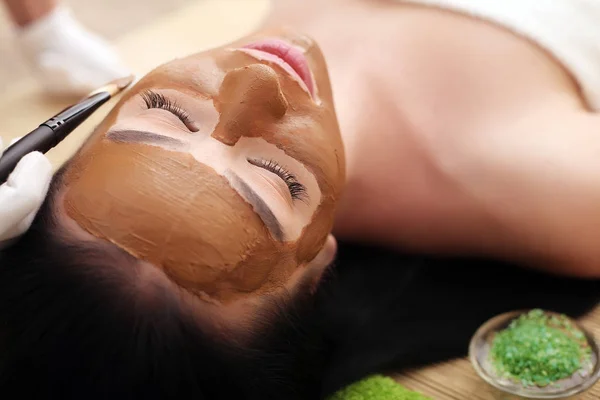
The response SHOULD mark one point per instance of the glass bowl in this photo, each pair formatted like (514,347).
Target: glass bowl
(579,382)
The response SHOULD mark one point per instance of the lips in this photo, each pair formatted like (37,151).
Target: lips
(287,56)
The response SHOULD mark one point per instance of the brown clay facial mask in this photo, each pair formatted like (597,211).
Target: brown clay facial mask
(222,169)
(204,236)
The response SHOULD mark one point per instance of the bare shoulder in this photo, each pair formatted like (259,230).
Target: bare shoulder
(540,177)
(458,139)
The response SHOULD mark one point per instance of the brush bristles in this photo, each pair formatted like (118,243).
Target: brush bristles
(115,86)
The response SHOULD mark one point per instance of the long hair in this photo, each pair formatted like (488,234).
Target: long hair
(74,325)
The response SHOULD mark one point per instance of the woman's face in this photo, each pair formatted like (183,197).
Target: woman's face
(222,168)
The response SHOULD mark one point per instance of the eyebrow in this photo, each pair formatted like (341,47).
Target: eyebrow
(135,136)
(261,208)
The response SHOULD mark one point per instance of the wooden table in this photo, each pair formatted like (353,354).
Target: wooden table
(197,26)
(457,380)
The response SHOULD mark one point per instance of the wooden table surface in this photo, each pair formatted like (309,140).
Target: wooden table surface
(457,380)
(199,25)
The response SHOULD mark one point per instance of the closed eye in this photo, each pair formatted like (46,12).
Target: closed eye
(157,100)
(296,189)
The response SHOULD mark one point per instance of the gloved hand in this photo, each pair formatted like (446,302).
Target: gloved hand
(23,194)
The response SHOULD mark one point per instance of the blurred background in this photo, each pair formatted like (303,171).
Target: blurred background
(110,18)
(145,33)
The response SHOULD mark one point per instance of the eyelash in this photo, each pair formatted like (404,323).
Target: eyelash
(157,100)
(297,190)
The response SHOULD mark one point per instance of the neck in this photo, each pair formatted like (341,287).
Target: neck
(290,12)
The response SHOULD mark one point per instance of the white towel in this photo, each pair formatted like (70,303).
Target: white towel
(568,29)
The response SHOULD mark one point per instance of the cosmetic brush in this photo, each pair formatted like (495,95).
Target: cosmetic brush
(50,133)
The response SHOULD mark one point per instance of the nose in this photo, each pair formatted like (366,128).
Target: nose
(250,98)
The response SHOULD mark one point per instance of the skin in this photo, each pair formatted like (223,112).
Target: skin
(461,137)
(24,12)
(449,156)
(190,198)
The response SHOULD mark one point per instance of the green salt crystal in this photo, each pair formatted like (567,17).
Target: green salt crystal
(377,387)
(537,349)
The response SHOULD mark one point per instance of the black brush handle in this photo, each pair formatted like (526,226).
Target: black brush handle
(41,139)
(50,133)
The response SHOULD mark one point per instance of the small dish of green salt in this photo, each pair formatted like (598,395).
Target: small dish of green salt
(535,354)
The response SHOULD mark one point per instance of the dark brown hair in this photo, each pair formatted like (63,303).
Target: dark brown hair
(73,324)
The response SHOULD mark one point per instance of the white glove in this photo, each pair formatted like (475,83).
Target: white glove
(67,58)
(23,194)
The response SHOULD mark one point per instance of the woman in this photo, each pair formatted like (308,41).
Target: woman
(198,212)
(178,251)
(466,135)
(474,115)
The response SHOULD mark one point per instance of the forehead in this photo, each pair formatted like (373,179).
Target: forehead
(204,236)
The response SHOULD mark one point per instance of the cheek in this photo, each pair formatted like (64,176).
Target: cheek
(314,139)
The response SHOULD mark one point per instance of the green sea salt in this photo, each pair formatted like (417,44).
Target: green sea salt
(377,387)
(539,349)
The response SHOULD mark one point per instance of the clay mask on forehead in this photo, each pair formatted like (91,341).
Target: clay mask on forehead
(229,200)
(206,237)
